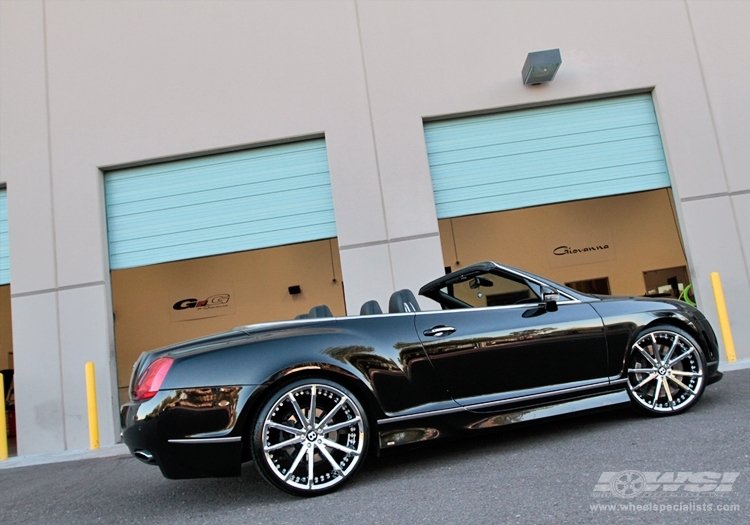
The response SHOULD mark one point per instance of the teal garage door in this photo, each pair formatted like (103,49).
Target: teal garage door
(217,204)
(545,155)
(4,253)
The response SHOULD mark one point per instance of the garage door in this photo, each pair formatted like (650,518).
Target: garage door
(545,155)
(218,204)
(4,253)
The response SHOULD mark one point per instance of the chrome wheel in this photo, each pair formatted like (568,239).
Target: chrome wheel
(666,371)
(310,437)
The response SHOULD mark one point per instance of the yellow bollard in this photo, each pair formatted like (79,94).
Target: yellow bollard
(93,413)
(3,425)
(721,308)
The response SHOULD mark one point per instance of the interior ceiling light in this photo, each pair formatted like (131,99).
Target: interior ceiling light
(541,66)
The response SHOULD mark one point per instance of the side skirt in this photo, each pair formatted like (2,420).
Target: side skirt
(434,426)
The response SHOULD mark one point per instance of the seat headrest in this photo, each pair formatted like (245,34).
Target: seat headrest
(319,311)
(370,308)
(403,301)
(302,316)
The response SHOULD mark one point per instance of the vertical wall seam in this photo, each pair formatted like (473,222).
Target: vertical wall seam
(374,140)
(716,137)
(54,227)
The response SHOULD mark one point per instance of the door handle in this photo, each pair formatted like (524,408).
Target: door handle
(439,331)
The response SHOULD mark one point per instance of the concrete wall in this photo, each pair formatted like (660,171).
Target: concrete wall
(86,85)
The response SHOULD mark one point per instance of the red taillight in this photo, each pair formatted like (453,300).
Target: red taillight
(150,381)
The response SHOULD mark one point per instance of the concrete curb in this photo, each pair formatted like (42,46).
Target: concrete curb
(741,364)
(68,455)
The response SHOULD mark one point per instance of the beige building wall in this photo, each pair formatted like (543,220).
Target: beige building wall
(257,283)
(636,233)
(87,85)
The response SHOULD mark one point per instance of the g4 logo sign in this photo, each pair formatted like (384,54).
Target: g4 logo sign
(215,301)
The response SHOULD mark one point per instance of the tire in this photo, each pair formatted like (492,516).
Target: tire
(310,458)
(666,371)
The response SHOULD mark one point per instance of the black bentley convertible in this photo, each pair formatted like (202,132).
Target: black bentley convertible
(306,399)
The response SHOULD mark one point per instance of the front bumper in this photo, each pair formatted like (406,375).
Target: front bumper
(189,433)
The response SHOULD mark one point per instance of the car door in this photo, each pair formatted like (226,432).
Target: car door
(508,345)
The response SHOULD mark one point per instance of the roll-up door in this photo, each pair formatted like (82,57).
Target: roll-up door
(217,204)
(4,252)
(545,155)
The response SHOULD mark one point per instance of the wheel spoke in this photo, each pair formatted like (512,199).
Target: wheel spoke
(655,347)
(295,464)
(310,466)
(285,428)
(680,357)
(649,378)
(313,400)
(681,384)
(668,391)
(333,411)
(647,356)
(642,370)
(337,426)
(657,392)
(686,374)
(284,444)
(324,452)
(339,446)
(671,349)
(298,410)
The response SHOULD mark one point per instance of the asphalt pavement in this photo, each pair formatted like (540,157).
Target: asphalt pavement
(615,467)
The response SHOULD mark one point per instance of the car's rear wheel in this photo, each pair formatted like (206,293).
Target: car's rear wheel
(310,437)
(666,371)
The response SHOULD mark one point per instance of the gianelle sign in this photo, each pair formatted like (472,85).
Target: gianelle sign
(567,250)
(573,248)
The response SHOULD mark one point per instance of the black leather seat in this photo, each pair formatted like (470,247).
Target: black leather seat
(403,301)
(370,308)
(302,316)
(319,311)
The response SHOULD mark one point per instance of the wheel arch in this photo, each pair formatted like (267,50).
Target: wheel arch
(350,381)
(678,321)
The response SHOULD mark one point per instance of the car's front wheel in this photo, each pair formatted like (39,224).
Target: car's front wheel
(310,437)
(666,371)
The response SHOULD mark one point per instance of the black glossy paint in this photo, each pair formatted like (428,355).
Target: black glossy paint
(501,365)
(499,350)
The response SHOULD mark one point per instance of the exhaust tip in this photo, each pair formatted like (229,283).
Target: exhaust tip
(145,456)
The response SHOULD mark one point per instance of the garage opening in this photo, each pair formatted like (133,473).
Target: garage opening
(6,329)
(621,245)
(202,245)
(577,192)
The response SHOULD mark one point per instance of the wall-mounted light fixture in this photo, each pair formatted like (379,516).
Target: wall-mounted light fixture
(295,290)
(541,66)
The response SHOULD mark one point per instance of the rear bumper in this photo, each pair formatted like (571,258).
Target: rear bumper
(188,433)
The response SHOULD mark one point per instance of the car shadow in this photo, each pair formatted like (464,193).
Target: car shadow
(252,489)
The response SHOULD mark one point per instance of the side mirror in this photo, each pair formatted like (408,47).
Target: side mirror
(550,299)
